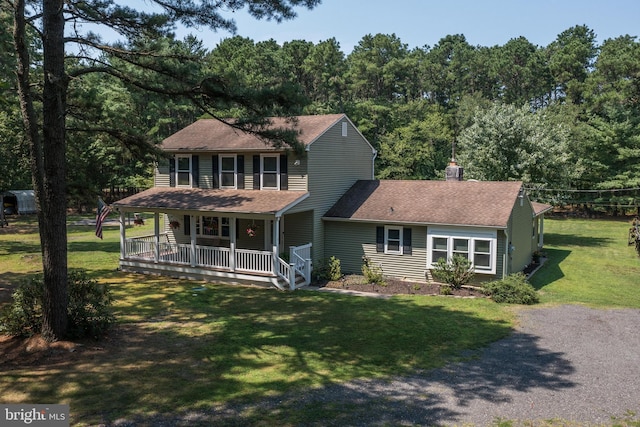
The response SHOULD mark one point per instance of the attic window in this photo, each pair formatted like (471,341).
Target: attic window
(344,129)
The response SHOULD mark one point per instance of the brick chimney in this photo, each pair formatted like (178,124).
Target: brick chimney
(453,172)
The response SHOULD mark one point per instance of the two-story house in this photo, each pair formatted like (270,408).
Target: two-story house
(235,209)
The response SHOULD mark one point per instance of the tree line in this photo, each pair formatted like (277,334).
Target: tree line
(559,117)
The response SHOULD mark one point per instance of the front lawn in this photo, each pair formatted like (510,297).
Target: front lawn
(181,346)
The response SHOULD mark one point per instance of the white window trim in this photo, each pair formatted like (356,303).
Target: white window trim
(472,235)
(178,170)
(277,157)
(200,221)
(387,228)
(235,171)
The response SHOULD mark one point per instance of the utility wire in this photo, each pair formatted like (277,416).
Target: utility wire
(569,190)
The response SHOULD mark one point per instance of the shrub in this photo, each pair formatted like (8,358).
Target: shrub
(327,269)
(513,289)
(24,316)
(333,270)
(456,273)
(89,309)
(89,306)
(446,290)
(372,272)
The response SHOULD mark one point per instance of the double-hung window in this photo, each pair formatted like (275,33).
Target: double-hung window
(183,171)
(228,171)
(477,246)
(393,240)
(213,226)
(270,171)
(482,254)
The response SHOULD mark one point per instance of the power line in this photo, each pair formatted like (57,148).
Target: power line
(569,190)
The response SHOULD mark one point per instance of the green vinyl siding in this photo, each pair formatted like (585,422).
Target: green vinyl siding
(520,235)
(161,175)
(350,241)
(501,251)
(334,164)
(298,229)
(206,172)
(297,173)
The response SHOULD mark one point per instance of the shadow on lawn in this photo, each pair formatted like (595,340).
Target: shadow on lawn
(219,346)
(439,397)
(551,270)
(563,239)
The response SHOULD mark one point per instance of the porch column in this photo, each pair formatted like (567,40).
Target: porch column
(275,242)
(541,232)
(192,232)
(123,248)
(232,243)
(268,240)
(156,231)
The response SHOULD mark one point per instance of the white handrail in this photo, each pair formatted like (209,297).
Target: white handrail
(144,248)
(301,259)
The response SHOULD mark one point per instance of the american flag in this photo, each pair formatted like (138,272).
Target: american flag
(102,213)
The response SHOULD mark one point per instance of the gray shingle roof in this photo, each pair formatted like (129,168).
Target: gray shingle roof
(213,135)
(204,200)
(468,203)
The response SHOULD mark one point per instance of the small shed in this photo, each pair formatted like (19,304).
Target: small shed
(19,202)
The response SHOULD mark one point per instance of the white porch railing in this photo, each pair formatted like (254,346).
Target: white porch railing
(144,249)
(300,259)
(286,273)
(252,261)
(211,255)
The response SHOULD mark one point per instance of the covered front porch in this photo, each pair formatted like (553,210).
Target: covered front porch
(236,247)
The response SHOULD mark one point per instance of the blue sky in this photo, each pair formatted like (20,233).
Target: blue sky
(423,22)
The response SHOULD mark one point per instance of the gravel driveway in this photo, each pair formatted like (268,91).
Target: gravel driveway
(572,363)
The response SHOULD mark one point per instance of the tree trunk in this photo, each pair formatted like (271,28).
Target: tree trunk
(53,228)
(48,158)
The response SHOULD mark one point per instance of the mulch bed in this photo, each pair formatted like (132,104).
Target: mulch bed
(397,287)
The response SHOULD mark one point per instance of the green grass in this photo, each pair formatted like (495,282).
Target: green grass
(589,262)
(182,345)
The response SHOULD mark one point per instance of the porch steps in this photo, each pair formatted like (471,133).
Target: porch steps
(285,285)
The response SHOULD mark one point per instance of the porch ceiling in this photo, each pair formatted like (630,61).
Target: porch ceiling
(209,200)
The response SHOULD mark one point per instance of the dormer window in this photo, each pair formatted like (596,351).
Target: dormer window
(183,171)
